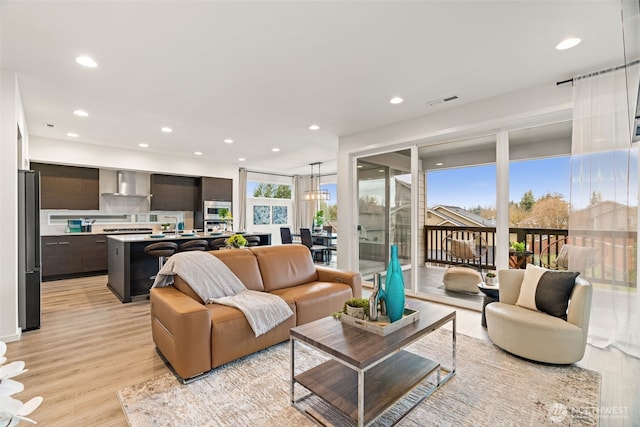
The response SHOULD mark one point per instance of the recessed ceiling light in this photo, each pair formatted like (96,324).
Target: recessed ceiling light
(166,129)
(228,141)
(314,127)
(380,170)
(86,61)
(241,159)
(396,100)
(439,164)
(198,153)
(143,145)
(81,113)
(73,135)
(275,149)
(568,43)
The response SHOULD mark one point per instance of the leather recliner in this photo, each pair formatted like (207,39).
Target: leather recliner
(195,337)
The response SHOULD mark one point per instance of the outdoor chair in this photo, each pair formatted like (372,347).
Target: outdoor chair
(464,246)
(572,253)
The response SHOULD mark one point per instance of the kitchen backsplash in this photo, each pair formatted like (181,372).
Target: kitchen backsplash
(54,222)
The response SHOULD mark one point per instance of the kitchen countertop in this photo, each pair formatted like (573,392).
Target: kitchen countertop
(84,233)
(169,236)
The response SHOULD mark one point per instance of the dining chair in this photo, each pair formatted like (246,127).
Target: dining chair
(285,235)
(305,236)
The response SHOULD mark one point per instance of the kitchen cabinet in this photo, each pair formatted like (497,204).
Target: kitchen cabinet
(61,256)
(68,187)
(211,189)
(174,193)
(64,256)
(216,189)
(94,255)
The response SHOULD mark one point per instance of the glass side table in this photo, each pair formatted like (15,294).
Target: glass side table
(491,294)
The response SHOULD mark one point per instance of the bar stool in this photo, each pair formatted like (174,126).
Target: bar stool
(253,240)
(162,250)
(194,245)
(217,244)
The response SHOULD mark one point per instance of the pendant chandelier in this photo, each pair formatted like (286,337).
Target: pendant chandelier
(316,193)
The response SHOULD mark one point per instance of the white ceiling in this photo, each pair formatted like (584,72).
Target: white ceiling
(262,72)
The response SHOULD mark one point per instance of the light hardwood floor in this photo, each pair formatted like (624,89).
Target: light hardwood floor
(90,346)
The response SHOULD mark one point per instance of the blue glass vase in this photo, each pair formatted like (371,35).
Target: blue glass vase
(394,287)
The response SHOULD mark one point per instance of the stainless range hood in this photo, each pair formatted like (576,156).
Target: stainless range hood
(126,185)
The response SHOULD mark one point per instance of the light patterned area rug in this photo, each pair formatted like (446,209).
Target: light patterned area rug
(490,388)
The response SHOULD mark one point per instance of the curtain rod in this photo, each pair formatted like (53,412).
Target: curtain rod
(270,173)
(596,73)
(288,176)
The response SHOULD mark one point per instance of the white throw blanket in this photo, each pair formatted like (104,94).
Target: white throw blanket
(212,280)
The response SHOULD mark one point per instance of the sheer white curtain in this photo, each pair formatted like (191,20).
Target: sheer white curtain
(302,209)
(604,203)
(242,192)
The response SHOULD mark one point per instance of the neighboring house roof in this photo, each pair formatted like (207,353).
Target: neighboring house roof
(452,213)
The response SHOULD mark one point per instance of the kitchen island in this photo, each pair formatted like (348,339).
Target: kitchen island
(130,268)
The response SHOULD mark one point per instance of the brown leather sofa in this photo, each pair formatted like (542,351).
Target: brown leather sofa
(195,337)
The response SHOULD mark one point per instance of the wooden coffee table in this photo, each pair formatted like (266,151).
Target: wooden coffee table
(367,373)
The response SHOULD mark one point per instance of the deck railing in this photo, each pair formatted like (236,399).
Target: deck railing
(619,248)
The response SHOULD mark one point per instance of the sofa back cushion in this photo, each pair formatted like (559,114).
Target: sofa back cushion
(244,265)
(285,266)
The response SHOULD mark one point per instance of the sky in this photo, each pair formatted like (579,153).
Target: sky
(470,187)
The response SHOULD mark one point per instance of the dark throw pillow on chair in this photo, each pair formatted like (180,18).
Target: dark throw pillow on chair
(547,291)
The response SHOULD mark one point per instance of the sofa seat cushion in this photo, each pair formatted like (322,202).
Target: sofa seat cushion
(534,335)
(232,337)
(314,300)
(285,266)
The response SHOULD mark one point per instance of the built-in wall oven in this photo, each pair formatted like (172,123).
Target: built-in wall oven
(213,218)
(213,209)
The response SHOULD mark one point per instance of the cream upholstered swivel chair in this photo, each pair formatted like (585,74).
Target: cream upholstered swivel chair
(536,335)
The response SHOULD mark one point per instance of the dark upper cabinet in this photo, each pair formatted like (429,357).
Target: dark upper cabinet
(216,189)
(68,187)
(174,193)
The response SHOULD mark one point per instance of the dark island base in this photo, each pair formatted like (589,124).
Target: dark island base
(130,269)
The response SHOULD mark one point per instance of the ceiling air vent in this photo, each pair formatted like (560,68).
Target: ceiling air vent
(442,100)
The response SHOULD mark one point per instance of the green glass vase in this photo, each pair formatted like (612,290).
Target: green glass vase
(394,287)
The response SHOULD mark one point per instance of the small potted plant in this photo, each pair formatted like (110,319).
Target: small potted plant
(491,278)
(357,307)
(318,220)
(237,241)
(518,246)
(165,226)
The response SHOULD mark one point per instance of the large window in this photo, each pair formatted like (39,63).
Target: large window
(269,204)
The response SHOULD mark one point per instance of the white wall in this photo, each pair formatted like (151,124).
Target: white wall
(11,116)
(532,106)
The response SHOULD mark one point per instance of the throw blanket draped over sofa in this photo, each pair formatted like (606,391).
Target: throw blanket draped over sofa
(212,280)
(195,337)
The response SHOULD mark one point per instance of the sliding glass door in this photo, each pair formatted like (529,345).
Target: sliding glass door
(384,210)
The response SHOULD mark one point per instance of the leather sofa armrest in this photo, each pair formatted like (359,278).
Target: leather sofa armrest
(351,278)
(181,329)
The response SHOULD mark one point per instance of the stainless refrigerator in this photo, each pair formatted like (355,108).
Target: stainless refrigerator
(29,275)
